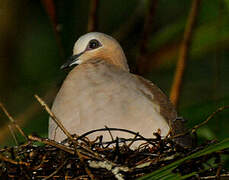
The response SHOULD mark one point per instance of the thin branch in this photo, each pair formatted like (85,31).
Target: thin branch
(58,122)
(167,53)
(13,134)
(56,171)
(54,118)
(50,9)
(147,29)
(111,129)
(130,144)
(183,54)
(214,177)
(112,138)
(3,158)
(196,127)
(30,112)
(209,118)
(93,16)
(13,121)
(52,143)
(128,26)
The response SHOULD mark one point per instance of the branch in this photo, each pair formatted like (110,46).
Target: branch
(13,121)
(220,109)
(196,127)
(147,29)
(55,119)
(50,9)
(183,54)
(93,16)
(61,126)
(52,143)
(26,115)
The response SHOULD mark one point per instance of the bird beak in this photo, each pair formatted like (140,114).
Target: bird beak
(71,61)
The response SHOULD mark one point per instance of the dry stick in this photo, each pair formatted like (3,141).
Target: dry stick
(56,171)
(168,51)
(3,158)
(182,57)
(121,32)
(26,115)
(218,171)
(54,118)
(112,138)
(192,130)
(147,29)
(13,134)
(214,177)
(50,9)
(41,163)
(52,143)
(57,121)
(209,118)
(135,137)
(59,176)
(61,146)
(13,121)
(93,16)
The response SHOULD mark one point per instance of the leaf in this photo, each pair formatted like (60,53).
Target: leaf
(166,172)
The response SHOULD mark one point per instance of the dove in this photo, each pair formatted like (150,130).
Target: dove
(101,92)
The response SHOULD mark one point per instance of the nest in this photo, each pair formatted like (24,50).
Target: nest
(82,159)
(79,158)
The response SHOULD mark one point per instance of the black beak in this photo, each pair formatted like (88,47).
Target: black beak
(71,61)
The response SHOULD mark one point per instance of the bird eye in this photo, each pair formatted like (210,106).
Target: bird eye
(93,44)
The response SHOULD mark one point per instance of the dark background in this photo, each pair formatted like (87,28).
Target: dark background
(36,37)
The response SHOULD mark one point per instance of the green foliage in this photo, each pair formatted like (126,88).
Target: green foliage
(33,66)
(166,172)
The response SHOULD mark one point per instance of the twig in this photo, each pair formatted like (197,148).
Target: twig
(184,49)
(81,158)
(52,143)
(30,112)
(194,129)
(112,138)
(13,134)
(218,171)
(56,171)
(50,9)
(111,129)
(13,121)
(134,139)
(58,177)
(214,177)
(93,16)
(128,26)
(116,129)
(64,148)
(56,120)
(209,118)
(3,158)
(147,29)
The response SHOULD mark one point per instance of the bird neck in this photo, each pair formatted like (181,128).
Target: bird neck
(118,59)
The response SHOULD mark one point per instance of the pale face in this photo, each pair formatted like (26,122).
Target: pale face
(96,45)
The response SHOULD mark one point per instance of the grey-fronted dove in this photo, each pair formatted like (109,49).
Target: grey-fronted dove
(101,91)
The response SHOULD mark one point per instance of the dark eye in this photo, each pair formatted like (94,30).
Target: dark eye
(93,44)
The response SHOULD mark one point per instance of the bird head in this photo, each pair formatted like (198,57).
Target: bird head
(97,46)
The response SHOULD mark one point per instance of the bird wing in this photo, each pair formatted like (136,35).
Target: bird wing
(167,110)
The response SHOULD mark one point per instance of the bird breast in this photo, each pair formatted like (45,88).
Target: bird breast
(98,94)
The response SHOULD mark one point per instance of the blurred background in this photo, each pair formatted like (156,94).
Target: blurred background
(36,37)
